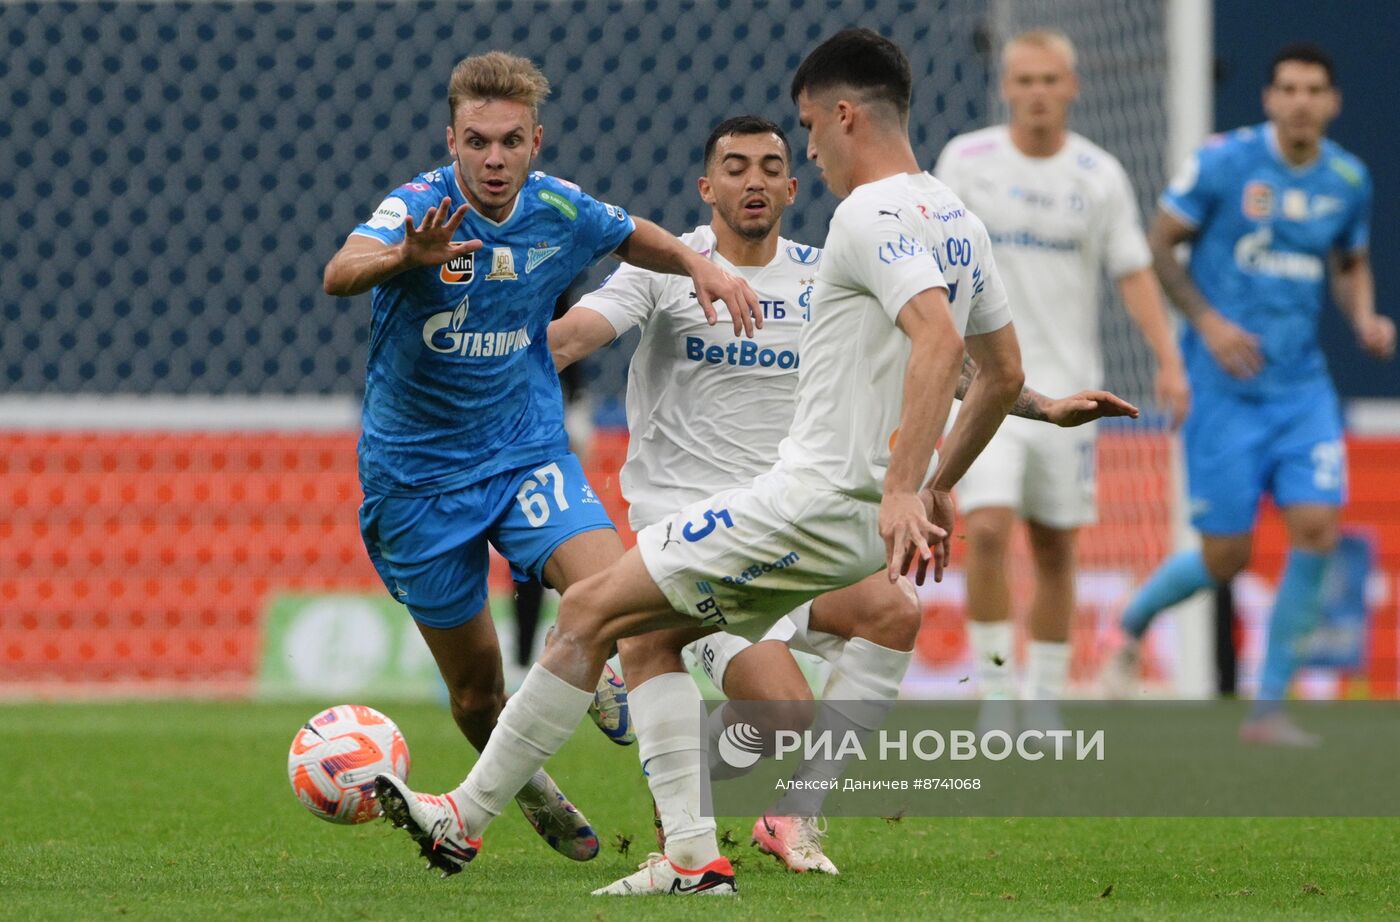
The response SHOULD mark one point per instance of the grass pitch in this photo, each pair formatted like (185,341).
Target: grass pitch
(182,810)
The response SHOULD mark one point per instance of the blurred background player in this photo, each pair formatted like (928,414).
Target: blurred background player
(463,436)
(1268,209)
(688,442)
(1060,211)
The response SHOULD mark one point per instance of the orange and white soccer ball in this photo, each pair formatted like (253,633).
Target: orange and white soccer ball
(335,757)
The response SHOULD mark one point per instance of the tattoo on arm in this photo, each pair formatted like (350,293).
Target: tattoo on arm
(1029,405)
(969,368)
(1176,281)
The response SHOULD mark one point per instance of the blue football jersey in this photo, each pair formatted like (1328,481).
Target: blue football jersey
(460,384)
(1264,232)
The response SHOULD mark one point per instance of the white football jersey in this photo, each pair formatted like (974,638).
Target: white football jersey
(889,240)
(1057,223)
(706,409)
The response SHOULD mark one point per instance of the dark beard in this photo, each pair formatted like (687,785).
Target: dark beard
(751,233)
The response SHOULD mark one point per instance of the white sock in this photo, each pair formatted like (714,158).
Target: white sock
(666,712)
(721,770)
(819,643)
(536,723)
(1047,670)
(864,685)
(992,643)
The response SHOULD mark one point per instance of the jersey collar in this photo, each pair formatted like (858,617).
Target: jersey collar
(747,271)
(1271,141)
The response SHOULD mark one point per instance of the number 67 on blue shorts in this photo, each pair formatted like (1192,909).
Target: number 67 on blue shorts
(431,551)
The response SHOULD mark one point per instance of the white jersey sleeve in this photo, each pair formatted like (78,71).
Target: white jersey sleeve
(1124,244)
(626,298)
(884,257)
(991,310)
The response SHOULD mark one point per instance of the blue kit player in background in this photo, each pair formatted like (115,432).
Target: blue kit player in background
(463,429)
(1269,210)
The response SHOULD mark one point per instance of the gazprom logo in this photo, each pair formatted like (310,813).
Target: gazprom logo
(443,334)
(743,353)
(1254,253)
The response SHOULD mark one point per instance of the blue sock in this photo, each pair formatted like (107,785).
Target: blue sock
(1179,577)
(1295,612)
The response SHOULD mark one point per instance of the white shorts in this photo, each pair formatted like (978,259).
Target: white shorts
(1045,473)
(742,559)
(714,652)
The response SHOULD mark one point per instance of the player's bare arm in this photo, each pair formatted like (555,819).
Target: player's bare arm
(1354,290)
(1236,349)
(1143,301)
(650,247)
(929,382)
(995,388)
(1066,412)
(577,335)
(364,262)
(996,385)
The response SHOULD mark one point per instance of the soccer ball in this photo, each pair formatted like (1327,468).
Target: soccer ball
(335,757)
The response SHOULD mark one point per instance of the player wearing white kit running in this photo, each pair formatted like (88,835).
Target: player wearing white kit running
(1060,211)
(907,270)
(687,444)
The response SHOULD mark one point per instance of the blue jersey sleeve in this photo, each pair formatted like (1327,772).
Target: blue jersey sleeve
(1356,234)
(600,227)
(1195,191)
(386,223)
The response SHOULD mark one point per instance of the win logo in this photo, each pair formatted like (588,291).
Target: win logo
(459,270)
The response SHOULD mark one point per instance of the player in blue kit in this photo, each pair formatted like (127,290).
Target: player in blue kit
(463,436)
(1266,209)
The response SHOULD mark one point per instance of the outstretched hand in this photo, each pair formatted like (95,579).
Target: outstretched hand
(431,243)
(909,535)
(714,284)
(1087,406)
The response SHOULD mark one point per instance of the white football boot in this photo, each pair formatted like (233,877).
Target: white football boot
(658,876)
(433,822)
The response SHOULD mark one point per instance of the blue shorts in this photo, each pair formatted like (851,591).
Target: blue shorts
(431,550)
(1238,448)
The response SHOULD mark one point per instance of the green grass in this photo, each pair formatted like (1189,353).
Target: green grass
(183,810)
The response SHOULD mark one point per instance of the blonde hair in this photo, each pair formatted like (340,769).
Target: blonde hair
(497,75)
(1046,39)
